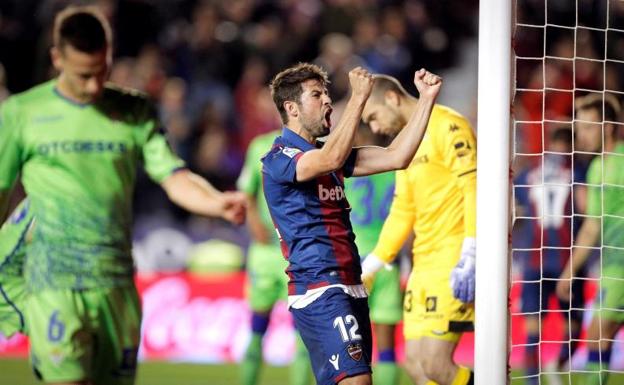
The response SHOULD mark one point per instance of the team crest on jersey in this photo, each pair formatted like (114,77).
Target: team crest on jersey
(355,351)
(291,152)
(462,147)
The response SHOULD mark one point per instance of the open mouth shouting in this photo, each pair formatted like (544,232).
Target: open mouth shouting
(327,116)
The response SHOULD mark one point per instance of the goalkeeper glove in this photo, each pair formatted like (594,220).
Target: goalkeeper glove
(370,266)
(463,274)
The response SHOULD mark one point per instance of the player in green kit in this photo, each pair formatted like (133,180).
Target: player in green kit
(605,217)
(77,143)
(14,235)
(267,280)
(370,198)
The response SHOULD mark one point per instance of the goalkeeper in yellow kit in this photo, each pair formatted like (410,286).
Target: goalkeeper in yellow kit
(435,197)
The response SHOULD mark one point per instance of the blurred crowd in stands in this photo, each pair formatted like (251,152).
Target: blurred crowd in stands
(207,64)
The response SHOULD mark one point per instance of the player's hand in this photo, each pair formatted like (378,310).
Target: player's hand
(370,266)
(463,274)
(564,284)
(427,83)
(361,82)
(234,207)
(368,280)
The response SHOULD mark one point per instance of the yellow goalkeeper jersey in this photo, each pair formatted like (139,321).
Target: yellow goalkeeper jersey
(436,195)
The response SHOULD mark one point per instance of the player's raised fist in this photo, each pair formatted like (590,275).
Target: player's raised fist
(427,83)
(361,82)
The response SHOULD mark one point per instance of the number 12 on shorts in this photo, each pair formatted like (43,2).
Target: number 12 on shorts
(352,335)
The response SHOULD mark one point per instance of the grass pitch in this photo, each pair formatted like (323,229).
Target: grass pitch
(17,372)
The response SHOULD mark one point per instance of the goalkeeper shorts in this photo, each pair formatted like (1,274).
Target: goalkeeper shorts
(429,307)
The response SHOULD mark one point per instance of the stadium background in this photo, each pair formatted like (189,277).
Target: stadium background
(207,63)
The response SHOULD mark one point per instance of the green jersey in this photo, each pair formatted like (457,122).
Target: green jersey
(13,242)
(605,198)
(78,166)
(250,179)
(370,198)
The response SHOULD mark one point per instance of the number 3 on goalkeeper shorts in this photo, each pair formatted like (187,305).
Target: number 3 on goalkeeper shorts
(341,323)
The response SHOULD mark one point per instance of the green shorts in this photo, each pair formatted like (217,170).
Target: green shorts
(386,300)
(612,291)
(12,297)
(267,281)
(85,335)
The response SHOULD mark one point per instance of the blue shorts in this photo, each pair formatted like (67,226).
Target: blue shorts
(336,331)
(535,295)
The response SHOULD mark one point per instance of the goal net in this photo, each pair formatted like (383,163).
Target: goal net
(567,158)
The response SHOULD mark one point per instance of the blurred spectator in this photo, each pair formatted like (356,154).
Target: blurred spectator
(255,109)
(215,156)
(337,58)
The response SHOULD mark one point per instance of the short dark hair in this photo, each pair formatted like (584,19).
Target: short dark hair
(82,27)
(562,134)
(597,102)
(287,85)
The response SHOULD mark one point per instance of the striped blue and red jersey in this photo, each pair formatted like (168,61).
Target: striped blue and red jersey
(546,196)
(311,218)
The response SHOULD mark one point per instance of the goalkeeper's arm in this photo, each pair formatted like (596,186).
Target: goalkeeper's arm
(395,231)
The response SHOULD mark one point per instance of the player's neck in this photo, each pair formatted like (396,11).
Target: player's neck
(302,132)
(65,91)
(408,105)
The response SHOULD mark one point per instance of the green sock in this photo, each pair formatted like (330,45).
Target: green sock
(386,373)
(598,376)
(300,369)
(250,367)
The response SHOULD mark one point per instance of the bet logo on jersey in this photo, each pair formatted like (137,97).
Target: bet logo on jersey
(333,193)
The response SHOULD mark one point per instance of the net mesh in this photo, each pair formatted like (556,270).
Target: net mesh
(568,54)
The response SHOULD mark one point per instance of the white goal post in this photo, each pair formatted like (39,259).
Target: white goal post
(492,271)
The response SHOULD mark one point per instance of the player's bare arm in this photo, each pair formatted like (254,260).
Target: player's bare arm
(588,236)
(340,141)
(195,194)
(398,155)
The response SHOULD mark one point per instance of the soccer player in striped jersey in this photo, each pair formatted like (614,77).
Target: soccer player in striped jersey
(546,194)
(595,122)
(14,236)
(267,282)
(77,142)
(435,198)
(370,197)
(304,188)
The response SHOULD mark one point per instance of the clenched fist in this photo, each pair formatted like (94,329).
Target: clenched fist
(427,83)
(361,82)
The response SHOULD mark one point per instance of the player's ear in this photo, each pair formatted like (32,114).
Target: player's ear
(57,60)
(292,108)
(392,98)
